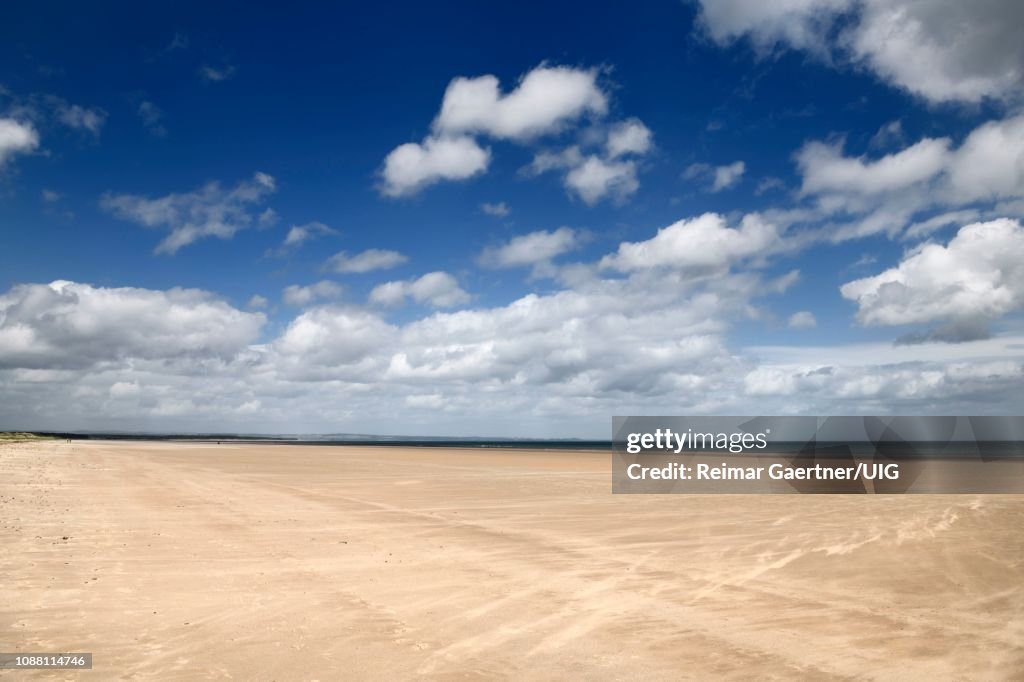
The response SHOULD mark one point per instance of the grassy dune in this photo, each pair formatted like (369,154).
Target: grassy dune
(18,436)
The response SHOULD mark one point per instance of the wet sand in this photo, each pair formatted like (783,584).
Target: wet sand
(199,561)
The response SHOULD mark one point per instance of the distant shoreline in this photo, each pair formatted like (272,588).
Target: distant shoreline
(375,441)
(913,450)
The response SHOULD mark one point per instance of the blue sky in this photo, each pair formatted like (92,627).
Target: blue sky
(507,220)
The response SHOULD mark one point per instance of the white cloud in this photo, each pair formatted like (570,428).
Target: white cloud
(547,98)
(717,177)
(824,168)
(498,210)
(16,137)
(947,50)
(596,179)
(531,249)
(915,186)
(304,295)
(545,161)
(300,234)
(66,324)
(705,243)
(125,389)
(990,162)
(727,176)
(976,278)
(82,118)
(371,259)
(411,167)
(803,319)
(331,337)
(941,50)
(257,302)
(799,23)
(210,211)
(628,137)
(437,289)
(389,293)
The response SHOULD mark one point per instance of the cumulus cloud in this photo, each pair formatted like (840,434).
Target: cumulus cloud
(257,302)
(824,168)
(596,179)
(71,325)
(437,289)
(82,118)
(942,51)
(974,279)
(16,137)
(947,50)
(210,211)
(304,295)
(906,187)
(545,99)
(609,337)
(803,319)
(332,337)
(798,23)
(367,261)
(717,177)
(990,162)
(706,243)
(529,250)
(628,137)
(412,166)
(547,160)
(728,175)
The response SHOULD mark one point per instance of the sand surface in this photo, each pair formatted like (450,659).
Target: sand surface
(192,561)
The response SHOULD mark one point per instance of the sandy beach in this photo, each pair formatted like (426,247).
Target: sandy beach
(272,562)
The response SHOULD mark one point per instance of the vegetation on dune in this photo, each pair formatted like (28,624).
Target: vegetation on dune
(9,436)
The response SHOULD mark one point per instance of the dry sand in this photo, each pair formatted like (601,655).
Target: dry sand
(192,561)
